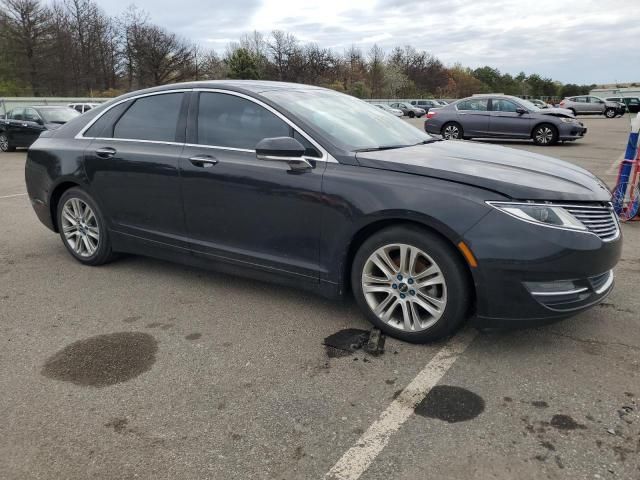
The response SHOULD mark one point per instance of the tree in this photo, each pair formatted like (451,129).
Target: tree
(376,70)
(242,65)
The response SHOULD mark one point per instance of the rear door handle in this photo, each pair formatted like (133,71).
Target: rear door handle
(106,152)
(203,161)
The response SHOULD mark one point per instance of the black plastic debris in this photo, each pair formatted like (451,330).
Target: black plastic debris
(348,341)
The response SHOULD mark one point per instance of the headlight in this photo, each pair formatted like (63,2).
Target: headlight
(568,120)
(540,213)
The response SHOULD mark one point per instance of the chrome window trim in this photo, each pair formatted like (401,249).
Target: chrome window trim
(325,156)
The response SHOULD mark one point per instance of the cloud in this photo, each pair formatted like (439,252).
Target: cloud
(578,41)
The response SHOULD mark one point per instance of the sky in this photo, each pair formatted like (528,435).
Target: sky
(574,41)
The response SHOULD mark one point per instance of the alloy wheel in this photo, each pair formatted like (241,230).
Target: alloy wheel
(610,113)
(80,227)
(4,143)
(451,132)
(404,287)
(544,135)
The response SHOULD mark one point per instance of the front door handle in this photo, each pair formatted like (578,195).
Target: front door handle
(203,161)
(106,152)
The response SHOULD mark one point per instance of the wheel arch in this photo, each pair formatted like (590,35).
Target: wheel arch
(377,225)
(55,196)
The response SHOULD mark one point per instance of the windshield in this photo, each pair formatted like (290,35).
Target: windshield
(351,124)
(57,115)
(528,105)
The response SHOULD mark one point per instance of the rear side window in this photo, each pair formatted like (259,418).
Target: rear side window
(103,127)
(151,118)
(235,122)
(474,104)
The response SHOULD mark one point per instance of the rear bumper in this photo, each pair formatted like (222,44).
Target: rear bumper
(530,275)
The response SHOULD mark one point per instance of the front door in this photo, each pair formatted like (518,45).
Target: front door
(243,210)
(133,168)
(505,121)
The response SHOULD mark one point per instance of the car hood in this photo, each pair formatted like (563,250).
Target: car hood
(557,112)
(514,173)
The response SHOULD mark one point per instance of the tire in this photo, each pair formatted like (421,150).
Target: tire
(452,290)
(545,134)
(452,131)
(411,114)
(610,113)
(5,146)
(89,250)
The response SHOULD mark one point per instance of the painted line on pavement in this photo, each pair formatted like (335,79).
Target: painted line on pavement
(359,457)
(16,195)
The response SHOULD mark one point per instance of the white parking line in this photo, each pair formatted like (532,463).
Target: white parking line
(16,195)
(359,457)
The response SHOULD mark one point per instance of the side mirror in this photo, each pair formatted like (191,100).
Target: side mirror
(520,111)
(283,149)
(39,121)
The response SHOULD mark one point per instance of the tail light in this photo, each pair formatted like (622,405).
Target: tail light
(431,114)
(562,103)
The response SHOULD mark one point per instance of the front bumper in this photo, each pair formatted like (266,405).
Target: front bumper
(529,274)
(572,131)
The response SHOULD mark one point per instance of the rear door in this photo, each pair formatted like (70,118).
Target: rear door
(243,210)
(133,166)
(33,125)
(473,115)
(596,105)
(581,105)
(506,122)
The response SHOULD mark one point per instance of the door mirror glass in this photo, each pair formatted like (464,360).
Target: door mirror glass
(283,149)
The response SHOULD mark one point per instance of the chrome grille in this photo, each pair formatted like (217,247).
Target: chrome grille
(597,218)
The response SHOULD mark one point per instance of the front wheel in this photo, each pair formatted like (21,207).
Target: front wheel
(545,135)
(411,114)
(83,228)
(610,113)
(411,284)
(5,146)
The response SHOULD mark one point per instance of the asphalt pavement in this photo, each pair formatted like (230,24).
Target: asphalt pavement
(146,369)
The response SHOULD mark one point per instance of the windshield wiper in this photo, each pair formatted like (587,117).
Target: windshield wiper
(381,147)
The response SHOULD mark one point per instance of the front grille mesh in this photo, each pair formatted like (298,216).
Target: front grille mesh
(598,219)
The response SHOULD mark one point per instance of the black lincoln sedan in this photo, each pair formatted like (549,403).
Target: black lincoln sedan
(316,189)
(23,125)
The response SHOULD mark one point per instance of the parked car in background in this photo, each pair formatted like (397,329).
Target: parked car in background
(503,116)
(426,105)
(83,107)
(393,111)
(442,102)
(409,110)
(319,190)
(590,105)
(23,125)
(632,103)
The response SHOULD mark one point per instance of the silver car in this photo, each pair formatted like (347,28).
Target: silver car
(393,111)
(503,116)
(409,110)
(590,105)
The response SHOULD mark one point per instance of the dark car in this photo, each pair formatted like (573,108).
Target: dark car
(23,125)
(632,103)
(503,116)
(426,105)
(409,110)
(319,190)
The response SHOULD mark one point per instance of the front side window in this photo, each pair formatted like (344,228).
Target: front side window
(16,114)
(345,121)
(473,104)
(151,118)
(234,122)
(501,105)
(30,115)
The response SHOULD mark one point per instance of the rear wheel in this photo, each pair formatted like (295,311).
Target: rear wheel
(610,113)
(5,146)
(411,284)
(452,131)
(573,111)
(411,114)
(83,228)
(545,135)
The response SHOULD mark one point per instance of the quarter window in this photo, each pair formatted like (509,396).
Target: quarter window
(235,122)
(473,104)
(103,127)
(151,118)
